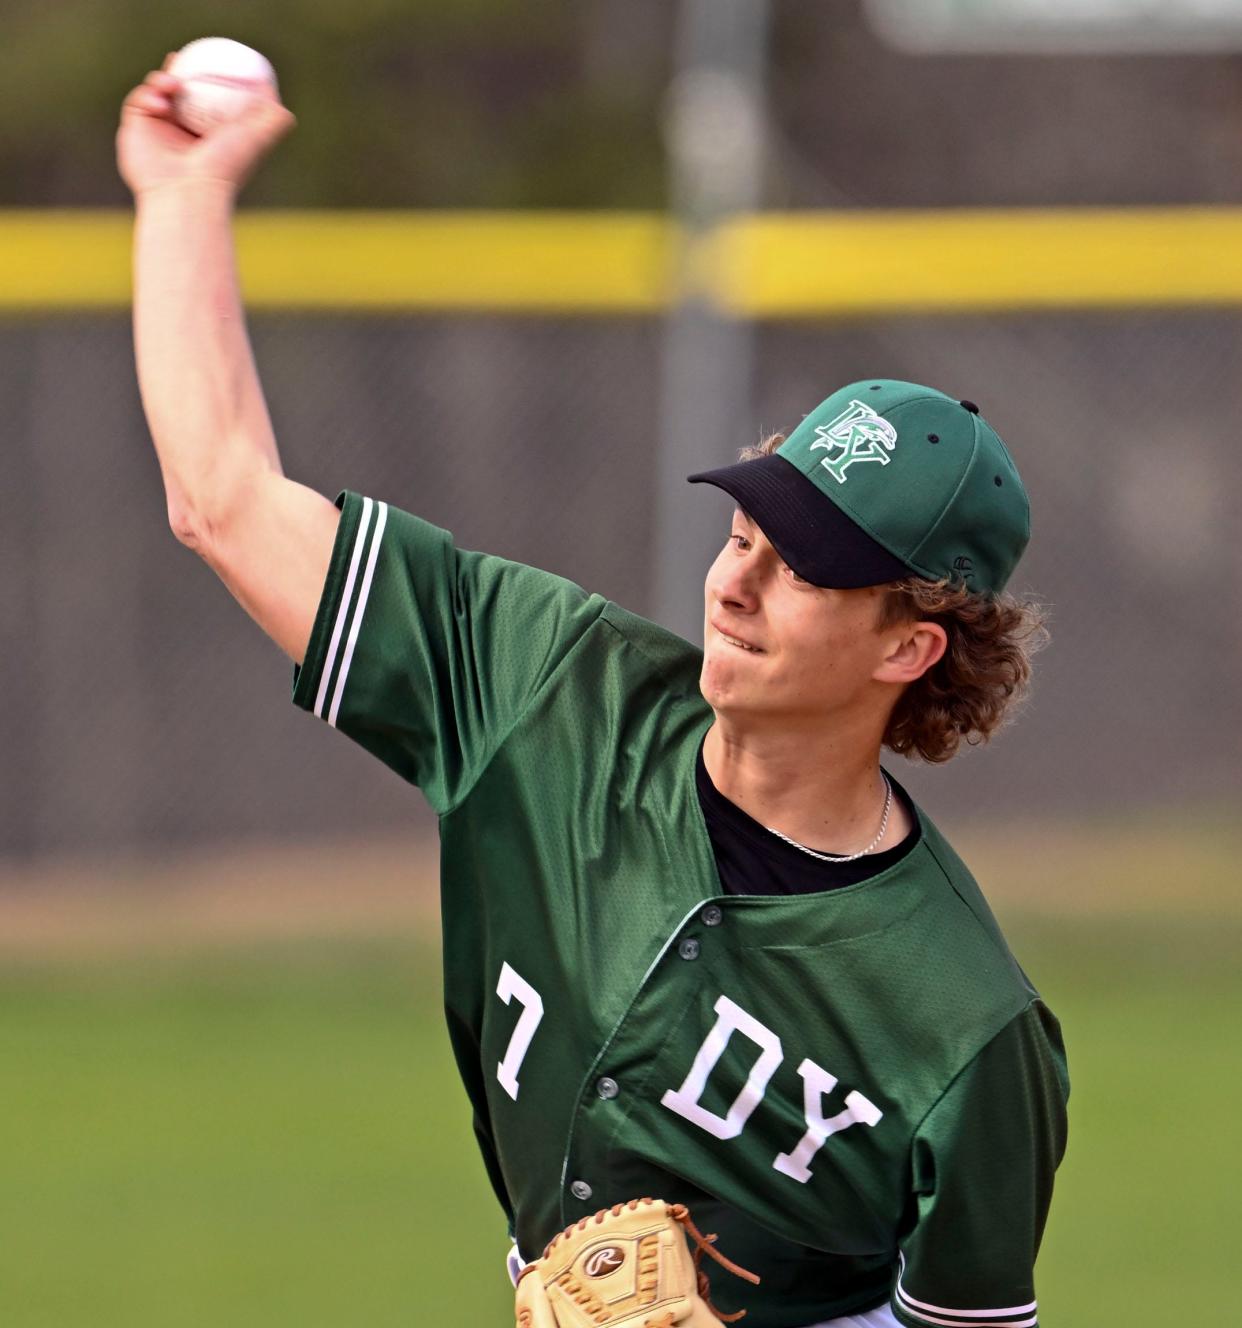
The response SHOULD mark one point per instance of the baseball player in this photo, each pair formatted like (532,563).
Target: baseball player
(698,944)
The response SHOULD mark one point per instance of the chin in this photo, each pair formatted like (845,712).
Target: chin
(723,690)
(714,683)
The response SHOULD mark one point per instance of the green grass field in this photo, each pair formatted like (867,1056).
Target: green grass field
(270,1133)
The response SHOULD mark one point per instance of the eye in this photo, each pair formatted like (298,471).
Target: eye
(739,542)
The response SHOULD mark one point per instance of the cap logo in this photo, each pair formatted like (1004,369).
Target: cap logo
(857,434)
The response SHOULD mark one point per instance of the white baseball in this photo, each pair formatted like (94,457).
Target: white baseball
(217,76)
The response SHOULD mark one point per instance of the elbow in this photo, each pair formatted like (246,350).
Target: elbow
(197,527)
(204,518)
(186,524)
(182,526)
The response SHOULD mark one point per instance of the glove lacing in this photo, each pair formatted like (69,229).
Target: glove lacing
(707,1245)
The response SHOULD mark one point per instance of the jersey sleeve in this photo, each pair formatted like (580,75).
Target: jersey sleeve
(426,654)
(984,1159)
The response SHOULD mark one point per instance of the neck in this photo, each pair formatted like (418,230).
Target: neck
(823,790)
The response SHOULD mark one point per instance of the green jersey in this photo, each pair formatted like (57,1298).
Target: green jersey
(858,1090)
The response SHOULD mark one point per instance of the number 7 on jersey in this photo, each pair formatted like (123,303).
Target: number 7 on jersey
(512,984)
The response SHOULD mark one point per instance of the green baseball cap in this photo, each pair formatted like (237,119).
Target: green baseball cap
(885,480)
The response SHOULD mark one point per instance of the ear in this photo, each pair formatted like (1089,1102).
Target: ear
(912,649)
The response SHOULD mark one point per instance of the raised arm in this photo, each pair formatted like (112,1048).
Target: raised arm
(268,538)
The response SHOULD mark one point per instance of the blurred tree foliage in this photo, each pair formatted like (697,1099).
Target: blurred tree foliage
(558,103)
(401,103)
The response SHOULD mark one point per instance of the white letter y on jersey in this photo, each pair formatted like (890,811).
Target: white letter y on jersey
(817,1083)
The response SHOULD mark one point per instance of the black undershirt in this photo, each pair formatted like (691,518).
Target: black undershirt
(754,861)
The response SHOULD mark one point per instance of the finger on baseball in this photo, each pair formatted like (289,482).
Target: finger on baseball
(148,101)
(267,110)
(163,82)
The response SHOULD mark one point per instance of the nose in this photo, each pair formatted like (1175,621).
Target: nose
(734,582)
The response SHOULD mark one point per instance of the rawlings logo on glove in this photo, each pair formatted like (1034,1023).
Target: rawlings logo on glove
(626,1267)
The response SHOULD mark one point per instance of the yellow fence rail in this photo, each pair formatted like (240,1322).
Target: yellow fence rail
(767,266)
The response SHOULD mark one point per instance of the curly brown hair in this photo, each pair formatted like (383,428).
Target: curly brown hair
(986,668)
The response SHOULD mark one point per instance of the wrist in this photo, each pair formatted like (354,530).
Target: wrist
(193,192)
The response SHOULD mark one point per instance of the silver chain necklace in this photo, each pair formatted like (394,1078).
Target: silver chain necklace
(846,857)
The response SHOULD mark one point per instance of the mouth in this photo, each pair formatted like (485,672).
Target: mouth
(737,641)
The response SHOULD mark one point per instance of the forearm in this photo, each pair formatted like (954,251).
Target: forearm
(200,389)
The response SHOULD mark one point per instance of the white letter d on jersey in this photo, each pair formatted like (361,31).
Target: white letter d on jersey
(730,1019)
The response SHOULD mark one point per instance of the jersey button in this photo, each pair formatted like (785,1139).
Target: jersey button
(712,915)
(689,948)
(580,1190)
(607,1088)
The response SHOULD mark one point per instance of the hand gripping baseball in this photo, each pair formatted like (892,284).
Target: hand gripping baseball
(626,1267)
(154,150)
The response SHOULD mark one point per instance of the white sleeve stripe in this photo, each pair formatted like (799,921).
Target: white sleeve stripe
(343,610)
(960,1323)
(965,1318)
(909,1303)
(347,659)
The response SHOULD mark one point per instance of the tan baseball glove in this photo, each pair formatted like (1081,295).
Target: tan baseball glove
(626,1267)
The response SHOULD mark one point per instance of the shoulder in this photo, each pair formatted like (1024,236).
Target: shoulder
(966,901)
(668,654)
(628,662)
(949,957)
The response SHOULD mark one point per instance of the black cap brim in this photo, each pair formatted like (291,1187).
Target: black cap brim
(809,531)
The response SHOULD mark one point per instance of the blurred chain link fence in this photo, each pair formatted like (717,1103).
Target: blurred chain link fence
(141,707)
